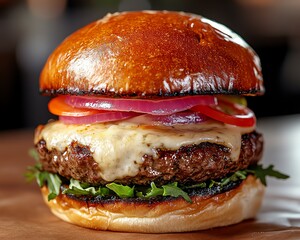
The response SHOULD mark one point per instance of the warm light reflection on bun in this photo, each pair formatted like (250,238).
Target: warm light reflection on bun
(152,54)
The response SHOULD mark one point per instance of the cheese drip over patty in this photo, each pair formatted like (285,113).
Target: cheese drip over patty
(119,147)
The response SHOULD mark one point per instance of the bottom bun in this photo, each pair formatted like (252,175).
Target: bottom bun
(175,215)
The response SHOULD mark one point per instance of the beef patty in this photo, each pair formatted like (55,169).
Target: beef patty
(188,164)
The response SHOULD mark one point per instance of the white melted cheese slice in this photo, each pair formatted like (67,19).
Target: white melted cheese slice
(119,147)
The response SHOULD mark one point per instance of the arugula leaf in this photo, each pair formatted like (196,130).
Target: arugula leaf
(75,191)
(241,174)
(102,191)
(78,188)
(52,180)
(198,185)
(174,191)
(261,173)
(165,190)
(238,175)
(75,184)
(51,196)
(121,190)
(54,184)
(33,171)
(34,154)
(41,178)
(154,191)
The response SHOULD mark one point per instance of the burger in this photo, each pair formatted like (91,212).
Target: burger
(153,131)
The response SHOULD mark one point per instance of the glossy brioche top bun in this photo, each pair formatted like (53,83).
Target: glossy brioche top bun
(152,54)
(175,215)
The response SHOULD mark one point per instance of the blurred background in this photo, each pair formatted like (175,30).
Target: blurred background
(30,30)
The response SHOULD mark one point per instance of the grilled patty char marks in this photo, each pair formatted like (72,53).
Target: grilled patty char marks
(188,164)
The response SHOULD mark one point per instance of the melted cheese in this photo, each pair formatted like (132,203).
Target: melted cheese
(118,148)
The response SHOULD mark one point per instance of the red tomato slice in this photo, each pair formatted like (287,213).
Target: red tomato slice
(230,113)
(57,106)
(224,111)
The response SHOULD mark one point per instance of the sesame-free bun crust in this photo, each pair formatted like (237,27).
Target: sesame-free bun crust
(176,215)
(152,54)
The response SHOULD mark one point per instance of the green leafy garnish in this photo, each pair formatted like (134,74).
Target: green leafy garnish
(33,171)
(154,191)
(198,185)
(77,188)
(174,191)
(238,175)
(42,177)
(171,190)
(34,154)
(261,173)
(54,182)
(120,190)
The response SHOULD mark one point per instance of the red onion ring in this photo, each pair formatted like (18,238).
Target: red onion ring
(180,118)
(108,116)
(154,107)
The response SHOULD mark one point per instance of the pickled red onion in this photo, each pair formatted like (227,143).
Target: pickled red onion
(180,118)
(154,107)
(98,117)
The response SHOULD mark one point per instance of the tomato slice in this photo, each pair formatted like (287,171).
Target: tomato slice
(58,106)
(228,112)
(225,111)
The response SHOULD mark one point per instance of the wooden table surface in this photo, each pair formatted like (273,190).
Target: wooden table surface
(23,215)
